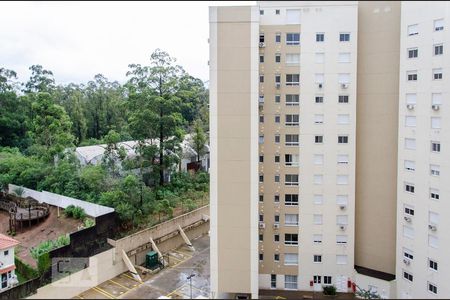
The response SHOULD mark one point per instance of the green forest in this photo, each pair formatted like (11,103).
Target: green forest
(41,124)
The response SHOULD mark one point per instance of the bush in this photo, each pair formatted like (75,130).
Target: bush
(68,211)
(76,212)
(47,246)
(88,223)
(329,290)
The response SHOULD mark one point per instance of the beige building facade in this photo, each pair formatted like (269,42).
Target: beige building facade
(307,144)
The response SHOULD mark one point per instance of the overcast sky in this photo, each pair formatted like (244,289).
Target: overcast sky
(77,40)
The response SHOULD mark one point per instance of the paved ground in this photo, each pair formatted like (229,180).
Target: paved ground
(171,281)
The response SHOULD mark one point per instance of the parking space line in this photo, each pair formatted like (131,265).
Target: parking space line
(175,291)
(119,284)
(128,276)
(182,252)
(103,292)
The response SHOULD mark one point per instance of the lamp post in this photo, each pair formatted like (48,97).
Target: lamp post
(190,282)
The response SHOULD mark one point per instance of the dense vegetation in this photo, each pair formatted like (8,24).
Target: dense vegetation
(41,123)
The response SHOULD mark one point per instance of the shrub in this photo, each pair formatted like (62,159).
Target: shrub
(47,246)
(88,223)
(68,211)
(76,212)
(329,290)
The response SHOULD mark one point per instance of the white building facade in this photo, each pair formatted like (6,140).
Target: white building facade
(8,277)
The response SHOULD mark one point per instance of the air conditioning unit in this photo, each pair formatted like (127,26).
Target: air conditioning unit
(277,85)
(320,85)
(407,219)
(262,225)
(342,206)
(410,106)
(261,99)
(435,106)
(432,227)
(262,44)
(342,227)
(406,261)
(344,85)
(276,225)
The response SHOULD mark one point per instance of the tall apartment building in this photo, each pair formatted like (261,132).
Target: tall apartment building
(308,110)
(423,154)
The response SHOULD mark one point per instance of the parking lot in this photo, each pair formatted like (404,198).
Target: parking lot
(170,282)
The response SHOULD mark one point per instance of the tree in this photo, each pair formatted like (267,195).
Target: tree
(51,128)
(113,154)
(198,139)
(41,80)
(152,91)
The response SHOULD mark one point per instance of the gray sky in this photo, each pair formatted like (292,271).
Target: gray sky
(77,40)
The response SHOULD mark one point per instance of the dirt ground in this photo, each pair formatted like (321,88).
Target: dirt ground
(50,229)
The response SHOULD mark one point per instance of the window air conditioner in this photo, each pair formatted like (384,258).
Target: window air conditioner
(276,225)
(407,219)
(406,261)
(410,106)
(277,85)
(435,106)
(342,227)
(344,85)
(262,45)
(342,206)
(432,227)
(262,225)
(320,85)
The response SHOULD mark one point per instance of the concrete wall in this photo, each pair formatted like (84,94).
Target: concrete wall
(92,209)
(386,289)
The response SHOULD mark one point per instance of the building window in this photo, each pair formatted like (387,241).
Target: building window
(277,57)
(318,159)
(435,170)
(277,98)
(342,200)
(277,178)
(341,239)
(277,11)
(277,37)
(344,37)
(293,58)
(411,75)
(408,210)
(277,119)
(291,239)
(342,179)
(261,178)
(343,99)
(327,280)
(413,53)
(291,259)
(318,119)
(276,198)
(261,158)
(292,120)
(438,49)
(435,122)
(433,241)
(317,219)
(410,165)
(341,259)
(432,288)
(261,37)
(409,187)
(261,78)
(344,57)
(319,78)
(439,25)
(291,199)
(261,198)
(408,254)
(436,98)
(261,218)
(318,179)
(413,29)
(276,257)
(292,140)
(408,276)
(261,139)
(291,160)
(6,253)
(317,258)
(261,257)
(432,264)
(319,99)
(437,74)
(410,144)
(277,78)
(261,237)
(292,38)
(277,219)
(261,119)
(290,282)
(317,239)
(320,58)
(342,139)
(318,199)
(320,37)
(410,121)
(342,159)
(343,119)
(292,79)
(291,179)
(273,281)
(317,279)
(261,12)
(277,158)
(291,219)
(261,58)
(408,232)
(277,138)
(411,99)
(292,100)
(434,194)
